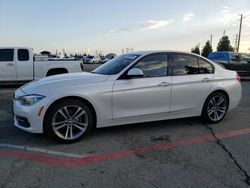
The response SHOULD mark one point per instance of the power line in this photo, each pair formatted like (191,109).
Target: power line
(229,24)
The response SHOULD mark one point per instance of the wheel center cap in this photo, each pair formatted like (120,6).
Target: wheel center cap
(70,122)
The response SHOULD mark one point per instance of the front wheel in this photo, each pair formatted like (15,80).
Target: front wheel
(215,108)
(68,120)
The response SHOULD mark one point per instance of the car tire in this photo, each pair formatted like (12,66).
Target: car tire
(68,120)
(215,108)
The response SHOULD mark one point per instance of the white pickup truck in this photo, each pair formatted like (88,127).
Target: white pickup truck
(19,65)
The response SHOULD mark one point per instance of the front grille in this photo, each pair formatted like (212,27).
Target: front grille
(22,121)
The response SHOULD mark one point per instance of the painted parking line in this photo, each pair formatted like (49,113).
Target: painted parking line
(41,150)
(91,159)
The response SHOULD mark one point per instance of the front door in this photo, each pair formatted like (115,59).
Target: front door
(7,65)
(148,95)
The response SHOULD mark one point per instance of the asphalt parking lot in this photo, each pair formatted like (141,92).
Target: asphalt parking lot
(174,153)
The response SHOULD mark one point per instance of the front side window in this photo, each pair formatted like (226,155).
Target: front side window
(154,65)
(184,65)
(6,54)
(23,54)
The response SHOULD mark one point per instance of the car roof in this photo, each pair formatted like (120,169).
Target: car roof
(144,53)
(10,47)
(158,51)
(223,52)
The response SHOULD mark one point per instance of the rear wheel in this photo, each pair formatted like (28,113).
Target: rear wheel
(68,120)
(215,108)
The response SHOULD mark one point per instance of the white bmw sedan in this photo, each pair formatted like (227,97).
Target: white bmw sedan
(132,88)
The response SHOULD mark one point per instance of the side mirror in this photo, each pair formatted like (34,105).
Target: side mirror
(135,73)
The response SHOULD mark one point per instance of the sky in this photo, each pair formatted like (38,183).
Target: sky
(87,26)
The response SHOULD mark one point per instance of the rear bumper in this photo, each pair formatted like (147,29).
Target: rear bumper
(234,103)
(235,96)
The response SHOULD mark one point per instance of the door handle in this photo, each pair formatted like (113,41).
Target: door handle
(206,80)
(10,64)
(164,84)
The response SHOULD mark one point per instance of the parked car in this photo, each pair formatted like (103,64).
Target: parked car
(96,59)
(88,59)
(108,57)
(20,65)
(132,88)
(239,62)
(84,58)
(92,59)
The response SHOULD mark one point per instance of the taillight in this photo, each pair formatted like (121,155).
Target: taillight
(238,77)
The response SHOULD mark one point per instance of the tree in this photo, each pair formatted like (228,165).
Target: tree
(206,49)
(224,44)
(196,50)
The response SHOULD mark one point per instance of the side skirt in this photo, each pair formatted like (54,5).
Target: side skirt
(150,118)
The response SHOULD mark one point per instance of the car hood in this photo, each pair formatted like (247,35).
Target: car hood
(54,83)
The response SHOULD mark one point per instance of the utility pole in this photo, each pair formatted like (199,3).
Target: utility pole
(241,17)
(236,43)
(211,40)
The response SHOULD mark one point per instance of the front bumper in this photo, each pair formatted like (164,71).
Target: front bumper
(28,118)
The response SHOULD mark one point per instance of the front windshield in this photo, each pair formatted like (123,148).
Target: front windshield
(116,65)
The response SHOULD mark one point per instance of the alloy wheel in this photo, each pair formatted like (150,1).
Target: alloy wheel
(70,122)
(217,108)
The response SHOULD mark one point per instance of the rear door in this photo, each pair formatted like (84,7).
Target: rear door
(192,77)
(24,65)
(7,65)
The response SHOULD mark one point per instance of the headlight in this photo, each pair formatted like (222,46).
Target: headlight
(28,100)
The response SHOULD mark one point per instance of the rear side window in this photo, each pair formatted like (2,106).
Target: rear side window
(23,55)
(205,67)
(155,65)
(6,54)
(184,65)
